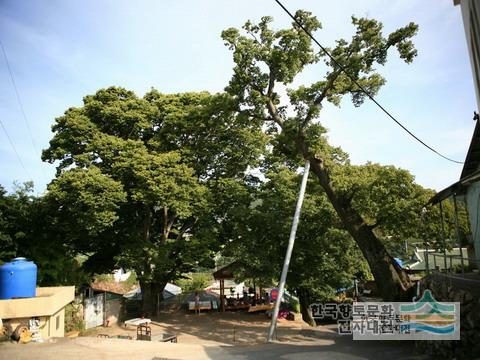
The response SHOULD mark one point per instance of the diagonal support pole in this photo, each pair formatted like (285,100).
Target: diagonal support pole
(288,255)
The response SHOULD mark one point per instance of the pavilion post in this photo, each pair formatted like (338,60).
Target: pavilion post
(457,231)
(443,239)
(222,295)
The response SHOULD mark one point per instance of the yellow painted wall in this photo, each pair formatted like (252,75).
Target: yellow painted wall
(48,324)
(47,301)
(48,305)
(57,324)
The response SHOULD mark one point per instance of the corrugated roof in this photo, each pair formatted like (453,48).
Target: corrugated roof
(472,161)
(111,287)
(227,272)
(470,172)
(454,189)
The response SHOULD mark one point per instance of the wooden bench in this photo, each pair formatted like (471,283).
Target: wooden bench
(137,322)
(165,338)
(106,336)
(260,308)
(238,307)
(203,305)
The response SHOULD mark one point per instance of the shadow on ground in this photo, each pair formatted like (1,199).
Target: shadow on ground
(242,336)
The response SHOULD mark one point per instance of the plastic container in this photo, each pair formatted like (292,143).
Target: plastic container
(18,279)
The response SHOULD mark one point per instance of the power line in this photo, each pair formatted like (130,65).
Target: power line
(20,104)
(362,88)
(14,148)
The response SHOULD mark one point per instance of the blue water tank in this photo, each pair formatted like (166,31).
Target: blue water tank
(18,279)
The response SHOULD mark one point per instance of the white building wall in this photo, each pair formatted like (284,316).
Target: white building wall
(473,202)
(120,275)
(471,22)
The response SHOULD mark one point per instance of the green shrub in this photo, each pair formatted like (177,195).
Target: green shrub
(195,282)
(103,278)
(131,281)
(73,318)
(295,305)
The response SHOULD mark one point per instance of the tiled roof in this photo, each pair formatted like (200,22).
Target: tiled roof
(112,287)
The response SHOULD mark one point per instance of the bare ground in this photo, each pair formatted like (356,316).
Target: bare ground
(229,328)
(236,336)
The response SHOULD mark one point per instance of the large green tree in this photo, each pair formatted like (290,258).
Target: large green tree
(266,59)
(14,214)
(28,229)
(144,182)
(325,257)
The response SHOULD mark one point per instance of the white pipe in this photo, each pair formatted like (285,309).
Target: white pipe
(288,255)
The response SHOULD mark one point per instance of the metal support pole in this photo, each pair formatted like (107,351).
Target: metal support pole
(443,237)
(288,255)
(457,230)
(471,261)
(425,241)
(426,257)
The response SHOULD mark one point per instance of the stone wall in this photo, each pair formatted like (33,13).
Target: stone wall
(113,311)
(466,290)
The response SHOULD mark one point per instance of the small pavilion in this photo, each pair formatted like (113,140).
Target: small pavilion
(228,273)
(225,273)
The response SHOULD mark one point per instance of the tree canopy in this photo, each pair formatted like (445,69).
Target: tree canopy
(140,180)
(265,59)
(162,183)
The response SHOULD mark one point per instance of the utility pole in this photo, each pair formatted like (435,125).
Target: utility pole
(288,255)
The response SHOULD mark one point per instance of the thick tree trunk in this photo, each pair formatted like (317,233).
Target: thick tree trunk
(392,281)
(152,295)
(304,299)
(152,291)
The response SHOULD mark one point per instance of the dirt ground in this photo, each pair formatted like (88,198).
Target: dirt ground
(227,336)
(229,328)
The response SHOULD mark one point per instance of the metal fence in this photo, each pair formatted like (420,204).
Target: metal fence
(451,263)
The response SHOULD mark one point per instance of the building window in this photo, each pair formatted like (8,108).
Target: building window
(88,293)
(57,322)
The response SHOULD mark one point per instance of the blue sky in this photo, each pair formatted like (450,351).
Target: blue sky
(60,51)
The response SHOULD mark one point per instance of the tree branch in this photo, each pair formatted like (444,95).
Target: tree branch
(165,224)
(170,224)
(147,222)
(271,83)
(331,82)
(184,229)
(272,110)
(373,226)
(349,197)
